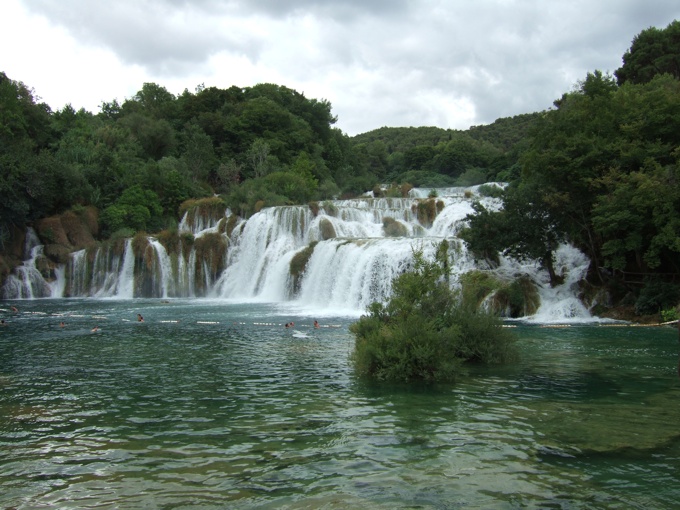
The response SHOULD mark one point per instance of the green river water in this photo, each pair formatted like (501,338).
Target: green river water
(211,404)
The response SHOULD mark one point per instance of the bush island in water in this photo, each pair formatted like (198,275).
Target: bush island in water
(426,331)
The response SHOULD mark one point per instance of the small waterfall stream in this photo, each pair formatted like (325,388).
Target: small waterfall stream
(348,253)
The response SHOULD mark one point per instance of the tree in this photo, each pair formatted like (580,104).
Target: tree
(156,136)
(257,157)
(154,100)
(198,153)
(652,52)
(137,209)
(425,331)
(526,228)
(639,218)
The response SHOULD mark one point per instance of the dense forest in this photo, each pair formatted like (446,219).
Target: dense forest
(600,169)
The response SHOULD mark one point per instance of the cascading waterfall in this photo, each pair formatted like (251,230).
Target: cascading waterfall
(27,281)
(104,271)
(258,262)
(340,257)
(350,275)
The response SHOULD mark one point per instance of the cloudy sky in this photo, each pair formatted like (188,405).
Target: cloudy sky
(446,63)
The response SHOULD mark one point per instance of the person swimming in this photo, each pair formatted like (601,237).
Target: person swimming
(140,318)
(316,324)
(95,329)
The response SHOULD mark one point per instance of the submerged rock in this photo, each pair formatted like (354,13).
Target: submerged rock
(574,428)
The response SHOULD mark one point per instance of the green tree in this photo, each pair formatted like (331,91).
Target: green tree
(639,218)
(198,154)
(257,156)
(525,228)
(425,332)
(136,209)
(653,51)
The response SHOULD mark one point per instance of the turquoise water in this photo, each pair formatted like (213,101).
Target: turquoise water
(217,405)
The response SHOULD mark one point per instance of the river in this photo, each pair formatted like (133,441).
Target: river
(215,404)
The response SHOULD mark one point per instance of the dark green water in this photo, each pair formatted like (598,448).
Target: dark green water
(221,410)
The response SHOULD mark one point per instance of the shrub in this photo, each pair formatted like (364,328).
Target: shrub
(210,207)
(426,332)
(670,314)
(520,298)
(656,295)
(169,239)
(330,209)
(490,190)
(471,177)
(476,286)
(427,212)
(405,188)
(231,224)
(139,244)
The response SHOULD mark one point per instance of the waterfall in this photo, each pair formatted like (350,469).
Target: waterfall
(28,281)
(162,267)
(561,302)
(258,262)
(338,256)
(126,277)
(349,276)
(198,224)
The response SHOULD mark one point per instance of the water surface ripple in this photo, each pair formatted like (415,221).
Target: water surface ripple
(217,405)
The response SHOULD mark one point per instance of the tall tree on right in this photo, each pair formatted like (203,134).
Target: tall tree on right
(653,51)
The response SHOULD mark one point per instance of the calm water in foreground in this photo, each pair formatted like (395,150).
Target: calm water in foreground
(228,409)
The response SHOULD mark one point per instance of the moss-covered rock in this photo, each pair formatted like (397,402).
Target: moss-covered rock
(298,264)
(518,298)
(211,249)
(70,231)
(427,210)
(330,209)
(210,207)
(394,228)
(587,428)
(477,286)
(326,229)
(57,252)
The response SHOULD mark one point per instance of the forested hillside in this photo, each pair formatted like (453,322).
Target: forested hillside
(431,156)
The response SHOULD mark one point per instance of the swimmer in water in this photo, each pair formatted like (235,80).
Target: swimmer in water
(95,329)
(140,318)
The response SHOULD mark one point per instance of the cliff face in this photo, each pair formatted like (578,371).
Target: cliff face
(13,252)
(67,232)
(60,234)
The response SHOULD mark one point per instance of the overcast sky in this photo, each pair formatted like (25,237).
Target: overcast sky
(446,63)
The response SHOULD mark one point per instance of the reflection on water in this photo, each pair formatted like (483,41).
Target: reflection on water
(215,405)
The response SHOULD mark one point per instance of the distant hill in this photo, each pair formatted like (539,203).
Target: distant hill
(503,134)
